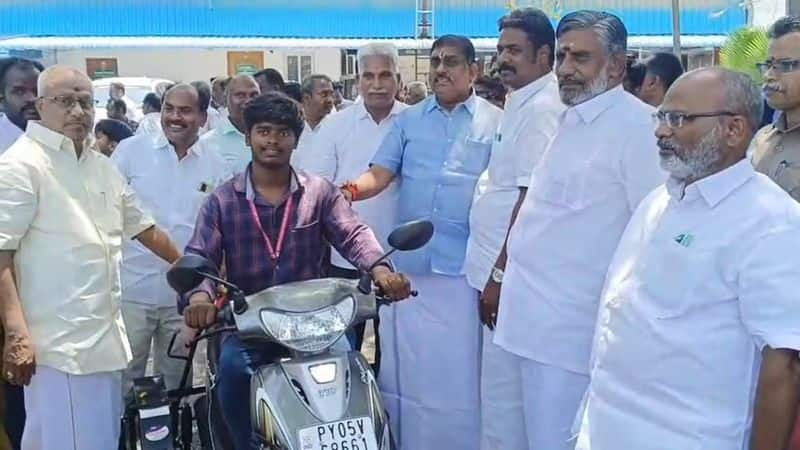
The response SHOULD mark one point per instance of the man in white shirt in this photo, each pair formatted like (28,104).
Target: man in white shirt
(17,98)
(597,168)
(151,122)
(64,213)
(171,172)
(348,140)
(228,139)
(525,53)
(697,337)
(317,103)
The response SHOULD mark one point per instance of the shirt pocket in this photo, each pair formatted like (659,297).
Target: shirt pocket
(671,275)
(787,175)
(469,157)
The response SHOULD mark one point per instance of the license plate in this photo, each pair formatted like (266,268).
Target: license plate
(350,434)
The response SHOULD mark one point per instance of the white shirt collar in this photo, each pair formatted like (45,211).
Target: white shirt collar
(713,188)
(592,108)
(52,139)
(526,92)
(228,127)
(361,112)
(160,141)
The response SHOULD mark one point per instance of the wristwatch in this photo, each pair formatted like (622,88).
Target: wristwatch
(497,275)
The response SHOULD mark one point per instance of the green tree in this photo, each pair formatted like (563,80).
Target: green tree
(743,49)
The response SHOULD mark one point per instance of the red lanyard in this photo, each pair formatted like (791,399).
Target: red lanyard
(274,252)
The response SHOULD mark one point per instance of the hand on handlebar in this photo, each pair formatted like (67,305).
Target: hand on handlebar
(393,286)
(201,312)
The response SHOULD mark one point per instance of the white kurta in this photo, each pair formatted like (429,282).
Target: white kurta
(601,163)
(529,122)
(423,418)
(698,286)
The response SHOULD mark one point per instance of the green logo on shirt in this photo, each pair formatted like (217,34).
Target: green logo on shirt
(684,239)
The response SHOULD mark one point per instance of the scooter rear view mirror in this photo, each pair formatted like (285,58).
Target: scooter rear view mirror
(188,272)
(412,235)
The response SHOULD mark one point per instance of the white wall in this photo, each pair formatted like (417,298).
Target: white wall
(190,64)
(765,12)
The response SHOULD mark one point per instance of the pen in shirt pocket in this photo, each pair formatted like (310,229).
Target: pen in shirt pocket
(205,188)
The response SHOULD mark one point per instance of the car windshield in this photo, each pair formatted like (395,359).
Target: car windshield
(135,93)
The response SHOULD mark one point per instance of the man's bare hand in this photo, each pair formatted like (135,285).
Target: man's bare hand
(19,361)
(201,312)
(489,302)
(394,286)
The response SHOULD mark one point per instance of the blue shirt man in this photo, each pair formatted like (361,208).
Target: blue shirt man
(431,345)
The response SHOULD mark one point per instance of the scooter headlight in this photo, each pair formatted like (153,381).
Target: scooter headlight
(311,331)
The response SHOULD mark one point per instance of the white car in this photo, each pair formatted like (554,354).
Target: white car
(136,88)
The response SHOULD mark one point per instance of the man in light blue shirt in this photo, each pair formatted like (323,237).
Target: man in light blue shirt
(431,346)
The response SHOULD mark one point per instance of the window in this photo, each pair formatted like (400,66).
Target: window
(298,67)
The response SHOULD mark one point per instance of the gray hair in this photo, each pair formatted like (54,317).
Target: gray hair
(385,49)
(608,27)
(307,87)
(419,86)
(742,96)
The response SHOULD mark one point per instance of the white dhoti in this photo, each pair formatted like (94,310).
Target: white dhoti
(550,396)
(72,412)
(502,407)
(430,366)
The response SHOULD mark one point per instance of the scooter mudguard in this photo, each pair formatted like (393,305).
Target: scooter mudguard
(154,418)
(325,402)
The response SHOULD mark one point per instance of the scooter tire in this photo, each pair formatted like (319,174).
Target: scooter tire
(201,415)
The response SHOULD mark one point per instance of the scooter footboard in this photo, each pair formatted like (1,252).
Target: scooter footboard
(325,402)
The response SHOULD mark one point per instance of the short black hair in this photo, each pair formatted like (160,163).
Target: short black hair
(115,130)
(293,91)
(666,66)
(272,76)
(635,72)
(7,64)
(203,94)
(460,42)
(152,101)
(116,103)
(277,108)
(536,25)
(494,85)
(784,26)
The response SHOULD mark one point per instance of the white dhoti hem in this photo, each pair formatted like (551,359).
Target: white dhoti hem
(72,412)
(551,397)
(502,407)
(430,366)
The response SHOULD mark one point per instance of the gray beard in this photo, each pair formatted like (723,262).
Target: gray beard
(596,87)
(697,163)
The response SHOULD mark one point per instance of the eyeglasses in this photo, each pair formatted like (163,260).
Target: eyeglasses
(449,61)
(780,66)
(677,119)
(68,102)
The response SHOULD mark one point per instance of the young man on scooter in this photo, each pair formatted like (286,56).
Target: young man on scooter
(270,225)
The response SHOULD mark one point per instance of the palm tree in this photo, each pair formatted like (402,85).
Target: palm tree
(743,49)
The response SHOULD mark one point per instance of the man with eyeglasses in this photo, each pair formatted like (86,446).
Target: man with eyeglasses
(777,146)
(697,338)
(64,213)
(430,359)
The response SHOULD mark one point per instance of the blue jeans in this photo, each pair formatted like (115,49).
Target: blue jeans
(237,364)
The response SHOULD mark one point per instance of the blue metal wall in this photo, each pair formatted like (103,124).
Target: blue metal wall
(226,18)
(332,18)
(478,18)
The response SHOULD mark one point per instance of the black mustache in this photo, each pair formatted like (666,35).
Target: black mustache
(507,67)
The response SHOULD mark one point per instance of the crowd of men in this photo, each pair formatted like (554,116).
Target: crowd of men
(611,266)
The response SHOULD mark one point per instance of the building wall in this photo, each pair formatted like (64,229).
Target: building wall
(190,64)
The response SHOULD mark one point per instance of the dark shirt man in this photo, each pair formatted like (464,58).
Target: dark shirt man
(661,70)
(255,258)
